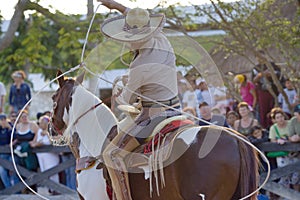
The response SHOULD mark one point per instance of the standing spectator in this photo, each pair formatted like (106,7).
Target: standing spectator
(207,115)
(19,93)
(279,133)
(13,117)
(189,97)
(206,93)
(231,117)
(294,136)
(70,174)
(280,126)
(291,94)
(2,97)
(247,121)
(294,125)
(198,89)
(182,86)
(5,132)
(263,82)
(247,90)
(46,160)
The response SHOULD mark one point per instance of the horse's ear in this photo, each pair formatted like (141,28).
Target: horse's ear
(60,79)
(79,79)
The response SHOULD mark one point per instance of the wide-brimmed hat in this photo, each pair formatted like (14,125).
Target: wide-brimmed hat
(137,26)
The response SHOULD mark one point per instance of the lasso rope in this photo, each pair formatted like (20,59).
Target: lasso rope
(52,81)
(229,131)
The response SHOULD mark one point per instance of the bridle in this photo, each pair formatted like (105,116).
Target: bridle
(60,131)
(87,111)
(56,129)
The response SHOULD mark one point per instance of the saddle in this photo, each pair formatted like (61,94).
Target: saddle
(160,142)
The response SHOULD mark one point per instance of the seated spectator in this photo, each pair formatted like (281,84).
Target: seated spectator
(246,89)
(231,117)
(258,135)
(246,122)
(291,94)
(208,116)
(207,93)
(46,160)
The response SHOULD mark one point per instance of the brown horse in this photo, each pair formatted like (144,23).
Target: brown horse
(211,164)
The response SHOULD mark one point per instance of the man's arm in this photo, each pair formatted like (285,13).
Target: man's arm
(2,103)
(110,4)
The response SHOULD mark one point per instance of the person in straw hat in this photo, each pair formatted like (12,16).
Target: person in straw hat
(152,78)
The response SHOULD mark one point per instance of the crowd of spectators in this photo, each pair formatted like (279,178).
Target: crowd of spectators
(256,117)
(28,134)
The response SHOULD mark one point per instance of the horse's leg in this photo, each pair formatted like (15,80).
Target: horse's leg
(91,184)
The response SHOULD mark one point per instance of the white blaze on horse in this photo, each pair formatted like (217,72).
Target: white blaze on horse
(82,121)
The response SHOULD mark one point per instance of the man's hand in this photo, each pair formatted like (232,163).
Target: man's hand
(108,3)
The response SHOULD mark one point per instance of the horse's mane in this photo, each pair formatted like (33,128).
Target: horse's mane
(95,124)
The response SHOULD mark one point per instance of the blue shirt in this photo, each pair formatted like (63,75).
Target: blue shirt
(4,136)
(19,97)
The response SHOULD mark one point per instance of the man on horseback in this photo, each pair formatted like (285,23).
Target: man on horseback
(152,78)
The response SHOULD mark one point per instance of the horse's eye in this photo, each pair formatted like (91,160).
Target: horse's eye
(54,105)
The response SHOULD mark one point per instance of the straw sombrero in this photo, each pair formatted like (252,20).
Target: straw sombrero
(137,26)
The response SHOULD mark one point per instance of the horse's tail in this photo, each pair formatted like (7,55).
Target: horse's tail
(248,172)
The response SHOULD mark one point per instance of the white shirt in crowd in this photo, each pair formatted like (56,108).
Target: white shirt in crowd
(291,94)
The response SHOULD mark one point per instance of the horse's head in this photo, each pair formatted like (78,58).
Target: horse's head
(62,102)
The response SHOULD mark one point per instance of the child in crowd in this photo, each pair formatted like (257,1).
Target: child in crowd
(258,135)
(46,160)
(291,94)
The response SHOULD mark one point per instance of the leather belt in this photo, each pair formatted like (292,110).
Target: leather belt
(170,102)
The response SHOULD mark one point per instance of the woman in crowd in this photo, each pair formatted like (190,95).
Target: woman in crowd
(246,122)
(279,133)
(246,89)
(19,93)
(25,132)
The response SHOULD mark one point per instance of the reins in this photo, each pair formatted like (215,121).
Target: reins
(87,111)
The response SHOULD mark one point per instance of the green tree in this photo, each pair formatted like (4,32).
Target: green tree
(254,25)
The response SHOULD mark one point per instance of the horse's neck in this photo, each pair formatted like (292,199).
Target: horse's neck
(94,126)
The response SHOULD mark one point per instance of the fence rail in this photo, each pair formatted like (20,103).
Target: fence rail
(41,178)
(32,178)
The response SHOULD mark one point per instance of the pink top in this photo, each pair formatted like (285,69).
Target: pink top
(245,93)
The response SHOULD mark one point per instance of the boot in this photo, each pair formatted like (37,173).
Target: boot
(113,156)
